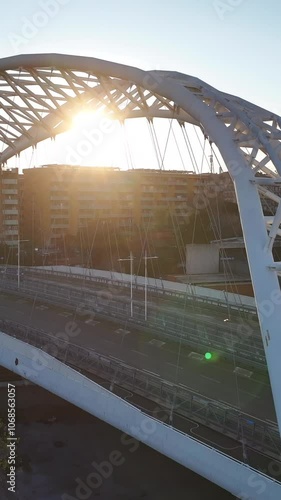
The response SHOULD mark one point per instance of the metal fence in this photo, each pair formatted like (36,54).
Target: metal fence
(157,291)
(177,399)
(172,324)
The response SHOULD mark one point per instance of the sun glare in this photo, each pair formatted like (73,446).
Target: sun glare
(87,119)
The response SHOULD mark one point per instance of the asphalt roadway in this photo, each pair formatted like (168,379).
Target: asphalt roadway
(215,379)
(210,310)
(224,328)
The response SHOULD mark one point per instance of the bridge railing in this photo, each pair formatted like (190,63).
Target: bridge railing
(169,326)
(177,399)
(189,294)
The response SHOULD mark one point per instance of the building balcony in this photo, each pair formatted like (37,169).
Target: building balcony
(10,202)
(87,189)
(154,207)
(86,197)
(10,212)
(117,216)
(11,222)
(59,216)
(148,206)
(11,232)
(93,190)
(12,243)
(154,190)
(56,236)
(58,189)
(10,191)
(86,216)
(60,206)
(177,198)
(59,226)
(59,198)
(126,224)
(9,181)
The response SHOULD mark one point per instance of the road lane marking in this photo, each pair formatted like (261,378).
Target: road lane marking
(122,331)
(260,382)
(211,379)
(157,343)
(196,355)
(65,314)
(175,366)
(250,394)
(91,322)
(42,308)
(140,353)
(242,372)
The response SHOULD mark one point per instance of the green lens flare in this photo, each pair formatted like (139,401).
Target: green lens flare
(208,355)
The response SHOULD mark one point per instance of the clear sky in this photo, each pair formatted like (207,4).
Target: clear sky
(232,44)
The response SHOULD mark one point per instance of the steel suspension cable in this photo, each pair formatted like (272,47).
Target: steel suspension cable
(178,149)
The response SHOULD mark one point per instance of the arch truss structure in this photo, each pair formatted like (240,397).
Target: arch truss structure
(39,94)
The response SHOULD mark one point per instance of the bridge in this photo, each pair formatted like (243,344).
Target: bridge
(38,95)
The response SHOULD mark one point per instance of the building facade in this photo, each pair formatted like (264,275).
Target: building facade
(59,200)
(10,189)
(44,204)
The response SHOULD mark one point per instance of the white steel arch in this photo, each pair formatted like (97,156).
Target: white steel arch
(39,93)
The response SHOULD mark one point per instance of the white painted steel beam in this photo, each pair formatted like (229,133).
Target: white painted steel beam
(267,181)
(276,266)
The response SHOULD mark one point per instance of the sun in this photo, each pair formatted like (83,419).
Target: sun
(85,119)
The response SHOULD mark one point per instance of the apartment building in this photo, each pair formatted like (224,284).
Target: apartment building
(61,199)
(10,189)
(52,201)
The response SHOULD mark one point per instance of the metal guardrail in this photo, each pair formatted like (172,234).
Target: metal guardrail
(165,325)
(152,289)
(176,399)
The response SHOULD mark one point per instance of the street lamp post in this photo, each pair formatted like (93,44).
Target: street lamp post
(146,258)
(131,259)
(19,241)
